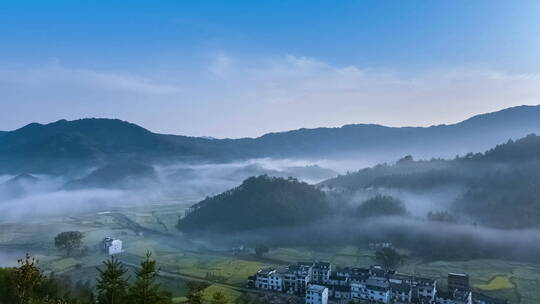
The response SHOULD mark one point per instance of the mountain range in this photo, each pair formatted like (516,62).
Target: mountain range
(64,146)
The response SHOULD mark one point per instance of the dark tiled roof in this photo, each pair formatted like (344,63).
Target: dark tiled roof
(400,287)
(316,288)
(338,278)
(341,288)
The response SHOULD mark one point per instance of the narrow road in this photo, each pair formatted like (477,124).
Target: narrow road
(183,276)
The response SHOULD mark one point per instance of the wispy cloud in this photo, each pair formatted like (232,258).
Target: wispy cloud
(53,76)
(238,96)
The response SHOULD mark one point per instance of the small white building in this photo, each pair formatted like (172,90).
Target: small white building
(269,279)
(426,288)
(321,272)
(341,292)
(275,281)
(296,278)
(316,294)
(111,246)
(116,247)
(401,292)
(456,297)
(377,290)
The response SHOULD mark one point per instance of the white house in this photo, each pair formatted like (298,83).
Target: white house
(321,272)
(116,247)
(296,278)
(426,288)
(456,297)
(377,290)
(401,292)
(275,281)
(262,280)
(316,294)
(341,292)
(111,246)
(357,291)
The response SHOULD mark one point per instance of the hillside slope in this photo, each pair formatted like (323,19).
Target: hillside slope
(259,202)
(67,145)
(501,186)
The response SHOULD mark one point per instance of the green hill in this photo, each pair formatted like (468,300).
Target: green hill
(122,174)
(259,202)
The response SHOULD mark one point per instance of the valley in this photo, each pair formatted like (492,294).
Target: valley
(183,259)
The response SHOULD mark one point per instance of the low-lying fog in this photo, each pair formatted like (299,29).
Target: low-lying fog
(27,196)
(38,197)
(426,239)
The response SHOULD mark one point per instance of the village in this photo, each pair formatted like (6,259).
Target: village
(322,283)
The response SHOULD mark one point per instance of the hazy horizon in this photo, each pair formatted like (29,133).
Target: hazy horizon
(244,69)
(284,130)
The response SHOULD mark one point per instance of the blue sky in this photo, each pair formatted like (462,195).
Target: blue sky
(243,68)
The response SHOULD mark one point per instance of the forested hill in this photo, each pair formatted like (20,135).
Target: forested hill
(259,202)
(63,145)
(502,185)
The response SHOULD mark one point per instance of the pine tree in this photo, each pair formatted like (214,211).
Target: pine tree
(111,284)
(27,277)
(218,298)
(195,295)
(145,290)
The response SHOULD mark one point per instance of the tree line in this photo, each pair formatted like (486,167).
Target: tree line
(27,284)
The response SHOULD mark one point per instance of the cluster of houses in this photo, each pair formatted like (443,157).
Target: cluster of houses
(320,282)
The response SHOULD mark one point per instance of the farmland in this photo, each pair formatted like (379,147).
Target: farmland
(181,259)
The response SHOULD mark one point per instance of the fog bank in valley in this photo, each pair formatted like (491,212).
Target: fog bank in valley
(40,196)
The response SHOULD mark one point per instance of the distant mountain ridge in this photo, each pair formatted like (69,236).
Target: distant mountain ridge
(67,145)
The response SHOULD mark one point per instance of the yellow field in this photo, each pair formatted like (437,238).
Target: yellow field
(498,282)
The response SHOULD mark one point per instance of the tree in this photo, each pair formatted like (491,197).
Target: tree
(388,257)
(68,241)
(145,290)
(195,294)
(381,205)
(261,249)
(218,298)
(441,216)
(26,284)
(8,289)
(27,277)
(111,285)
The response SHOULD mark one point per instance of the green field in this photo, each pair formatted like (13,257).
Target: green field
(181,259)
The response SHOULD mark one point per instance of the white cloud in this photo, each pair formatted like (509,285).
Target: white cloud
(233,96)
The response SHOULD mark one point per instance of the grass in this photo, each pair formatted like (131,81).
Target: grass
(496,283)
(228,269)
(63,264)
(230,294)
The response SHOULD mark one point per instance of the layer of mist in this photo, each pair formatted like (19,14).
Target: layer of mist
(425,239)
(41,196)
